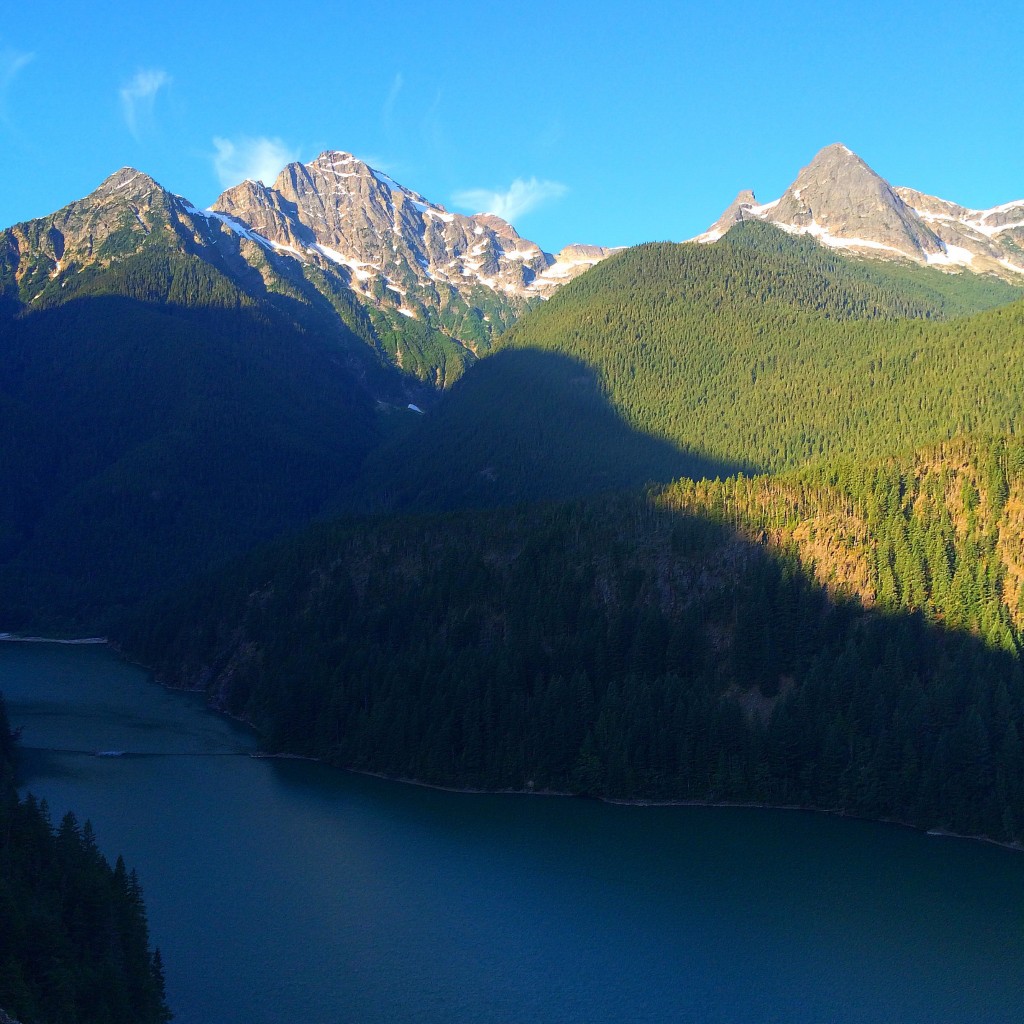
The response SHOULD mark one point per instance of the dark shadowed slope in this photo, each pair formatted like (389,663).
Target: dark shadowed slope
(144,441)
(696,644)
(523,425)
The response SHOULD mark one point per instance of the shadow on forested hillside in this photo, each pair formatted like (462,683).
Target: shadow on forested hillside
(144,441)
(523,425)
(614,647)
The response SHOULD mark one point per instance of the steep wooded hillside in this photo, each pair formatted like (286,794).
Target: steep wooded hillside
(156,422)
(761,352)
(769,350)
(74,945)
(846,642)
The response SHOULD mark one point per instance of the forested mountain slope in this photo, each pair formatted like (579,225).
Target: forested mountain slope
(523,425)
(940,532)
(846,642)
(175,386)
(155,421)
(761,352)
(770,350)
(435,286)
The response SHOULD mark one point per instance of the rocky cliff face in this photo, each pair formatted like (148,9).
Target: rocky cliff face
(424,287)
(112,221)
(843,203)
(339,211)
(128,212)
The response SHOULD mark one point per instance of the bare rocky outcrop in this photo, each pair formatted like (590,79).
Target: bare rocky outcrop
(839,200)
(337,209)
(128,210)
(325,228)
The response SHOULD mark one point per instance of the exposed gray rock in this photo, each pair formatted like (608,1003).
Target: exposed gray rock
(736,211)
(839,195)
(332,225)
(114,221)
(337,209)
(839,200)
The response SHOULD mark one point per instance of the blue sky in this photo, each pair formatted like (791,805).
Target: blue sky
(604,122)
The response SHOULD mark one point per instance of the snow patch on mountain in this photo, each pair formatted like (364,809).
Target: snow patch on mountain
(837,191)
(361,218)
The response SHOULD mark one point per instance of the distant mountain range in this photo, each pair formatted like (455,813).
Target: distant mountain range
(341,211)
(515,605)
(177,384)
(842,203)
(424,287)
(427,289)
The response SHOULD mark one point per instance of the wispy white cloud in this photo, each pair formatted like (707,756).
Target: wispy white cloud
(11,64)
(432,127)
(138,97)
(258,159)
(522,196)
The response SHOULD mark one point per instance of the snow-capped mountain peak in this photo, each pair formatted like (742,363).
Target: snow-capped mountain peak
(394,241)
(842,203)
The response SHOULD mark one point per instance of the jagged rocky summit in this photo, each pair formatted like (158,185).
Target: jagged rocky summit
(340,210)
(333,227)
(840,201)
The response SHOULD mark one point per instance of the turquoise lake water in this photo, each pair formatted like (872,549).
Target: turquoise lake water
(285,891)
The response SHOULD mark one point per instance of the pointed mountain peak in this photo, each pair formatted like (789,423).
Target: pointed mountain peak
(129,181)
(836,151)
(839,200)
(339,212)
(332,163)
(338,158)
(841,167)
(243,193)
(110,223)
(264,210)
(739,209)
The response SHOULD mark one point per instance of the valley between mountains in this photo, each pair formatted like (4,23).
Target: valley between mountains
(739,519)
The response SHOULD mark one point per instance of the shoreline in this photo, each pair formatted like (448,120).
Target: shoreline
(934,832)
(938,833)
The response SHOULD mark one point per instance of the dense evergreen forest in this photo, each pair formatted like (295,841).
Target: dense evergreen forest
(74,946)
(761,352)
(844,641)
(155,421)
(160,418)
(842,633)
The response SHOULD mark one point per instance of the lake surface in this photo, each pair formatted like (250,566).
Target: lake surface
(285,891)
